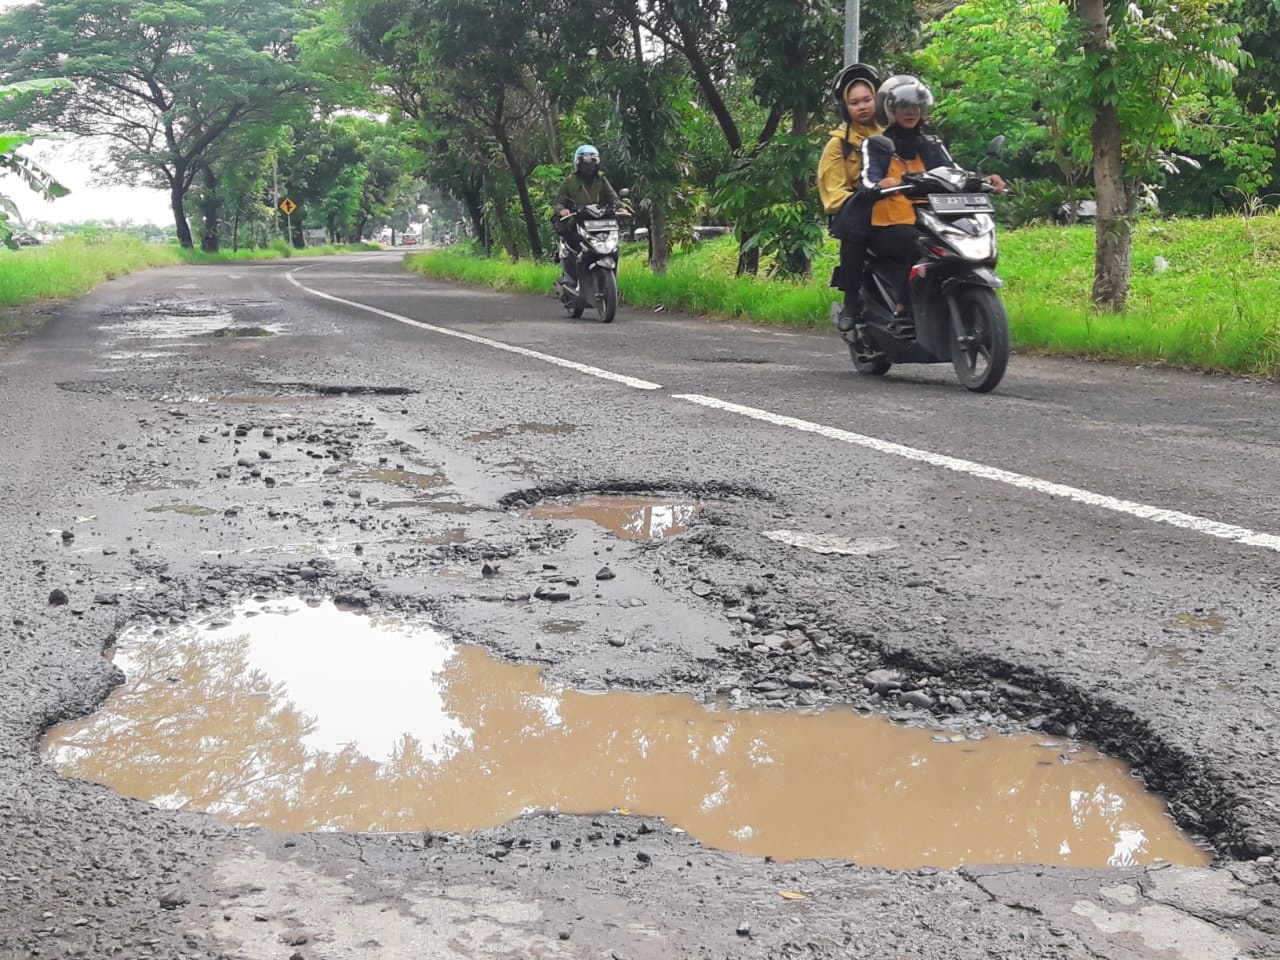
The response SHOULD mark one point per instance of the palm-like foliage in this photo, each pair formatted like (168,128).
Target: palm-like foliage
(26,170)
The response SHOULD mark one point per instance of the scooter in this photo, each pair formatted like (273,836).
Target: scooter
(589,278)
(955,312)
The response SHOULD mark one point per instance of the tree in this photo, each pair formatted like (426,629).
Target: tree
(164,81)
(12,162)
(1127,70)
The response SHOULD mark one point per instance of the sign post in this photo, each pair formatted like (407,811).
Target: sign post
(287,207)
(852,30)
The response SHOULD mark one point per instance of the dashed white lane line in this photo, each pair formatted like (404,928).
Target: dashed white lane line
(1142,511)
(483,341)
(1187,521)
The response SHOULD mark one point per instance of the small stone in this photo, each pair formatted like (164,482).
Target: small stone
(555,844)
(701,590)
(615,641)
(916,698)
(244,462)
(604,573)
(882,680)
(58,597)
(67,536)
(744,929)
(489,570)
(801,681)
(564,934)
(172,899)
(644,857)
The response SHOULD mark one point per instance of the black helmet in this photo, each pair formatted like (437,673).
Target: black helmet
(854,72)
(902,90)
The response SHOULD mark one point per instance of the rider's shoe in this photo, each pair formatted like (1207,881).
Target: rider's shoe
(845,316)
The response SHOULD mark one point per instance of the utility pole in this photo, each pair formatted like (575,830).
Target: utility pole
(852,30)
(275,197)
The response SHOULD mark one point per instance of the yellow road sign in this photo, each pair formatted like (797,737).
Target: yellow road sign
(287,206)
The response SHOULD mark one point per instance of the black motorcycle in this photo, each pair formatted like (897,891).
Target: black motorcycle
(589,276)
(955,313)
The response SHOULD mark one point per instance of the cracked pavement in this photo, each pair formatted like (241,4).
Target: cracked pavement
(400,459)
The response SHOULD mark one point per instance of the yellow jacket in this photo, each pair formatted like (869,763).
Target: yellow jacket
(840,172)
(897,207)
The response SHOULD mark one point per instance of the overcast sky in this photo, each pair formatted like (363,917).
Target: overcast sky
(77,164)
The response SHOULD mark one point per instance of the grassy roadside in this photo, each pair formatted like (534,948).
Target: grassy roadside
(1216,306)
(66,270)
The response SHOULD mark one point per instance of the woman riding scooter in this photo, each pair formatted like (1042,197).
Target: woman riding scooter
(902,105)
(853,93)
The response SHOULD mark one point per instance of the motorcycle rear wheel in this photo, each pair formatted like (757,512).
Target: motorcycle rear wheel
(871,368)
(982,356)
(606,295)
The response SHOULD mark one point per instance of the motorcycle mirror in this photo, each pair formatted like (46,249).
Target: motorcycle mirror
(996,146)
(881,142)
(624,193)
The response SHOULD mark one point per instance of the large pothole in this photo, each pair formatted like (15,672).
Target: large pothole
(295,715)
(626,516)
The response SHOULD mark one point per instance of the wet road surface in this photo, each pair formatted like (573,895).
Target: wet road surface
(1089,552)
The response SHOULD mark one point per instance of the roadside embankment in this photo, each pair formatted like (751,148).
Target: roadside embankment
(1205,293)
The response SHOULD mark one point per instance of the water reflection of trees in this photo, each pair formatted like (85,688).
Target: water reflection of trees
(196,727)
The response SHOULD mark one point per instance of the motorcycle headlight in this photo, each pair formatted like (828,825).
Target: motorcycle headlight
(973,248)
(974,238)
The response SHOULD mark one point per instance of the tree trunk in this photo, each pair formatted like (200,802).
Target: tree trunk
(209,212)
(475,212)
(1114,224)
(798,263)
(177,202)
(659,243)
(235,233)
(522,189)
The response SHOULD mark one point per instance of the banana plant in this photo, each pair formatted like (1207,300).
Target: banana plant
(27,171)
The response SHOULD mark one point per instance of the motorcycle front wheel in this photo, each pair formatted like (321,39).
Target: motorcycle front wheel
(606,295)
(980,352)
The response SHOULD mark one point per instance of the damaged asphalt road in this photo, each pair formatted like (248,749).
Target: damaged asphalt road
(192,437)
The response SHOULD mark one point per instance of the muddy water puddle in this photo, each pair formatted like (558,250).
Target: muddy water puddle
(626,517)
(297,716)
(400,477)
(540,429)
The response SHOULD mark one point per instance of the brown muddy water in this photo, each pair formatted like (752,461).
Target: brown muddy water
(297,716)
(626,517)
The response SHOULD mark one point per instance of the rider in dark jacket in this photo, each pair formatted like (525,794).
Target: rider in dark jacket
(585,185)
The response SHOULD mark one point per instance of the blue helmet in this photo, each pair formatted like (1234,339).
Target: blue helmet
(588,155)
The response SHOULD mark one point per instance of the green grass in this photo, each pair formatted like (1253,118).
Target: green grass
(71,268)
(1217,307)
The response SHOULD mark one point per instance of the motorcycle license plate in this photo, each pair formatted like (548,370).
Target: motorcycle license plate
(601,224)
(961,203)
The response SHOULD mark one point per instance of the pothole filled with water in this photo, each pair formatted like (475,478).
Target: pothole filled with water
(297,716)
(626,517)
(501,433)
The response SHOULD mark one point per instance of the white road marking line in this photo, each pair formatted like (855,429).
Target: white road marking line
(623,379)
(1187,521)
